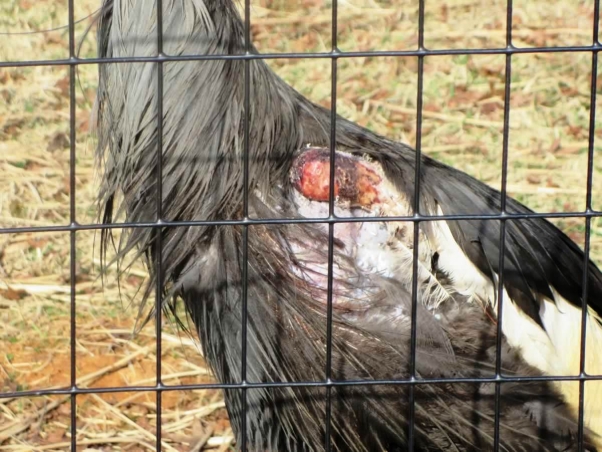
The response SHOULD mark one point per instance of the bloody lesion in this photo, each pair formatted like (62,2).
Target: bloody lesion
(354,181)
(365,252)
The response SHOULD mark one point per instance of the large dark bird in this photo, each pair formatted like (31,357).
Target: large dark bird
(203,139)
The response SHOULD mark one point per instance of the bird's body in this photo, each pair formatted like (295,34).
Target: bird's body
(287,272)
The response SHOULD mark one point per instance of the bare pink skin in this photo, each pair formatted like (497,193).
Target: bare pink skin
(358,190)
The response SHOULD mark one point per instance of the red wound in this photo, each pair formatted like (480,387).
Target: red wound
(314,181)
(353,180)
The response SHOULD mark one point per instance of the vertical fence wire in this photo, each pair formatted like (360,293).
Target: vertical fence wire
(328,384)
(73,223)
(331,225)
(502,240)
(158,235)
(588,220)
(416,228)
(245,230)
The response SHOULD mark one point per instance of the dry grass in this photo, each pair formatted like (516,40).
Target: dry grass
(463,117)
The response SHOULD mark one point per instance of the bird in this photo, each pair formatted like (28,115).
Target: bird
(292,286)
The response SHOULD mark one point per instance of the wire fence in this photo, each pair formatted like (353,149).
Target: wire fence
(421,52)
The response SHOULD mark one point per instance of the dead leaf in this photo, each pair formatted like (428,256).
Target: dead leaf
(12,294)
(37,242)
(488,108)
(83,121)
(533,179)
(63,85)
(576,131)
(12,127)
(555,147)
(59,141)
(55,437)
(432,107)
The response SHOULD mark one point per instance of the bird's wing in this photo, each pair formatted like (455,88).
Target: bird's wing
(539,261)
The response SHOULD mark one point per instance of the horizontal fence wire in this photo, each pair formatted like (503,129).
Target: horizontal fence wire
(309,55)
(334,55)
(589,213)
(304,384)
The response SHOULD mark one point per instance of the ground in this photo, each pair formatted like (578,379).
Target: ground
(462,126)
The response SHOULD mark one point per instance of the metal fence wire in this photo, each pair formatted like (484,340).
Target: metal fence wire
(421,52)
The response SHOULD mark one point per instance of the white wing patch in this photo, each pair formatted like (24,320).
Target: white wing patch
(520,330)
(555,350)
